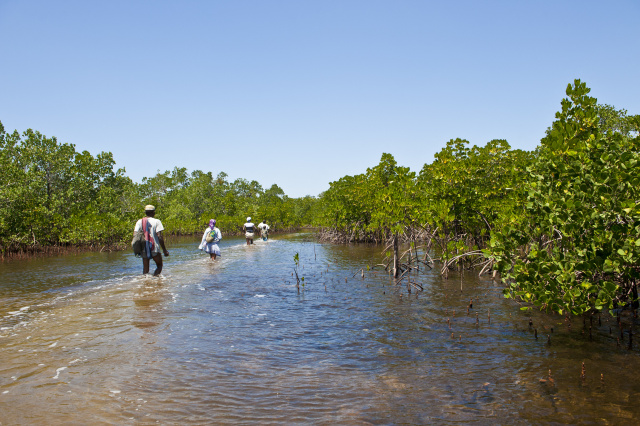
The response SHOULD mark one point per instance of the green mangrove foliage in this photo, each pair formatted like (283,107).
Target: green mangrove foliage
(561,224)
(467,193)
(370,206)
(185,202)
(576,248)
(454,203)
(52,195)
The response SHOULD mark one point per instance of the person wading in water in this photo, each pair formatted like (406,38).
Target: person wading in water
(152,229)
(249,230)
(264,230)
(210,240)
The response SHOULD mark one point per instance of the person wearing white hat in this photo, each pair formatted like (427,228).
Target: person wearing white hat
(152,229)
(249,230)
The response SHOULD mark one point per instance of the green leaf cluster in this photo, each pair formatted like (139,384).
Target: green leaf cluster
(371,205)
(186,202)
(577,247)
(459,198)
(52,194)
(468,192)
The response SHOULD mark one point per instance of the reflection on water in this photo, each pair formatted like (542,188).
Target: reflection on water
(150,299)
(87,339)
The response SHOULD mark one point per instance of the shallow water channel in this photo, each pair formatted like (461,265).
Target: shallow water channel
(86,339)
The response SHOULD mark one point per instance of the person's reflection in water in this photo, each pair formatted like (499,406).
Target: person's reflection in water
(149,300)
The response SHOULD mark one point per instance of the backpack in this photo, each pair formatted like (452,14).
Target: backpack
(138,243)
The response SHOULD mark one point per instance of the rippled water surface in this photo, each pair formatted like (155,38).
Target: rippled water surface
(86,339)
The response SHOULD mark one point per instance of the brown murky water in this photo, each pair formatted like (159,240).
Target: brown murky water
(85,339)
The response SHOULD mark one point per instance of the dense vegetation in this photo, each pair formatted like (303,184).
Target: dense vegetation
(453,203)
(561,224)
(576,245)
(52,195)
(188,201)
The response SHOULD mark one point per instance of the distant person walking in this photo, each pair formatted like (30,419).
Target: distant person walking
(210,240)
(264,230)
(152,229)
(249,231)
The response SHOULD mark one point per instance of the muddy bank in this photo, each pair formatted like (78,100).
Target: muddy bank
(39,250)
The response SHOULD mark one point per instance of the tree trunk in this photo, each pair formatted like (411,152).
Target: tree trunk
(396,270)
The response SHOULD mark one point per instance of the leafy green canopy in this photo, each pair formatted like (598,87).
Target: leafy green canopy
(577,247)
(460,197)
(472,189)
(50,194)
(372,204)
(186,202)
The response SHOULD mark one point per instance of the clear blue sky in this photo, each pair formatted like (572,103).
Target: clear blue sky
(302,92)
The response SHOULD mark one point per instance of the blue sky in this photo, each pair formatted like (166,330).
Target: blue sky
(300,93)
